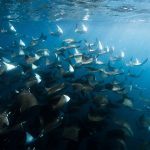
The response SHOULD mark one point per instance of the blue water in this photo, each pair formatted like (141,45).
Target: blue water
(124,25)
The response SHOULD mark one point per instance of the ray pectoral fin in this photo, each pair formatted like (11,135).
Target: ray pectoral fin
(145,61)
(76,27)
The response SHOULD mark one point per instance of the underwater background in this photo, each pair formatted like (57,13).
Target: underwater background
(109,26)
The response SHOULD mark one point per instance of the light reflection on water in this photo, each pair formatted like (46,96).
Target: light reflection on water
(115,10)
